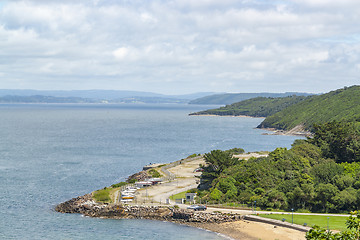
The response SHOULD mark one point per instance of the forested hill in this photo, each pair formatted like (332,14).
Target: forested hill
(340,105)
(229,98)
(320,174)
(255,107)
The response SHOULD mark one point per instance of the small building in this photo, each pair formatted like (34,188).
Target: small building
(155,180)
(143,184)
(190,197)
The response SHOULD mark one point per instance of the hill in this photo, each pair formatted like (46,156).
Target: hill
(319,174)
(340,105)
(91,96)
(229,98)
(255,107)
(44,99)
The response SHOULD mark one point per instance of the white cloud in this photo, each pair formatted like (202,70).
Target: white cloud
(180,46)
(121,53)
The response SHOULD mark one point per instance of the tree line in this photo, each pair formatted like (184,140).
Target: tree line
(319,174)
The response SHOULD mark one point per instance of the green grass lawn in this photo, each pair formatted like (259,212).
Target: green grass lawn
(335,223)
(178,196)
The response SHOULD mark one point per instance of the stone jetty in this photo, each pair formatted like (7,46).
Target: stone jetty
(87,206)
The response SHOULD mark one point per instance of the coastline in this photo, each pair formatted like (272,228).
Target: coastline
(214,115)
(232,224)
(296,131)
(247,230)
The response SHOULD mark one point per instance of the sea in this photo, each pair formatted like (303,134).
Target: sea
(50,153)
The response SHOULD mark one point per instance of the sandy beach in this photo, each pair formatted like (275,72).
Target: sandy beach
(246,230)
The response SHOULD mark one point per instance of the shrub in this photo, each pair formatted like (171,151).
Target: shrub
(193,155)
(120,184)
(154,173)
(132,180)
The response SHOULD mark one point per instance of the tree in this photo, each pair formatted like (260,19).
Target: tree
(217,161)
(338,140)
(216,194)
(325,193)
(226,185)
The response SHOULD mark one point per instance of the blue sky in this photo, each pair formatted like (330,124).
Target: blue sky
(180,46)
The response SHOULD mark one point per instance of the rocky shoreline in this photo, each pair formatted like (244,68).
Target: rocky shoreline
(87,206)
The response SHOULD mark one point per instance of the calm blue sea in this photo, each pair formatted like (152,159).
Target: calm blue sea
(50,153)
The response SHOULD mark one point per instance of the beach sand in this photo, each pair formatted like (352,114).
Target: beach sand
(245,230)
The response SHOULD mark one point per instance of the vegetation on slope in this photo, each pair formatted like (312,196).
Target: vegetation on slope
(255,107)
(303,178)
(229,98)
(340,105)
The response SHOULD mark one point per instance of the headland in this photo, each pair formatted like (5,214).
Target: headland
(154,203)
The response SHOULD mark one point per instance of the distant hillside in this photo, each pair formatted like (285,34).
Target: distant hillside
(148,100)
(229,98)
(342,104)
(255,107)
(100,94)
(44,99)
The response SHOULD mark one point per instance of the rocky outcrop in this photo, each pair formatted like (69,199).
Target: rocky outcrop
(140,176)
(87,206)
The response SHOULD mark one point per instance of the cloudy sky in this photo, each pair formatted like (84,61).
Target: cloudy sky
(180,46)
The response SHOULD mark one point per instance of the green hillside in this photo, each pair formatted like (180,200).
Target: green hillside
(229,98)
(339,105)
(255,107)
(319,174)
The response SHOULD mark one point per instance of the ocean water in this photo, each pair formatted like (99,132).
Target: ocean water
(50,153)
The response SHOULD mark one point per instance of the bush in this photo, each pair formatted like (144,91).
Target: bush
(154,173)
(132,180)
(120,184)
(235,151)
(193,190)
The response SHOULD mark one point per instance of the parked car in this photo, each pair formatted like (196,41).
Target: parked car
(197,207)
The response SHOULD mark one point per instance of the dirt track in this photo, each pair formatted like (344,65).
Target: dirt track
(185,180)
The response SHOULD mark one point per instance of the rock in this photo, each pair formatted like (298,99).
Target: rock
(87,206)
(140,176)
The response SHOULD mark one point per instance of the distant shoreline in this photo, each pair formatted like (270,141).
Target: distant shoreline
(293,132)
(296,131)
(214,115)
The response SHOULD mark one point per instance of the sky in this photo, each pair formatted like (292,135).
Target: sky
(180,46)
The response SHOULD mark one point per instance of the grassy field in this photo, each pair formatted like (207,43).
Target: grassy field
(335,222)
(178,196)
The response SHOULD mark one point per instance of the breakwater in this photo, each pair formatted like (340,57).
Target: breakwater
(87,206)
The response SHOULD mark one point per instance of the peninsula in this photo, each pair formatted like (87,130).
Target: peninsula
(296,115)
(158,202)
